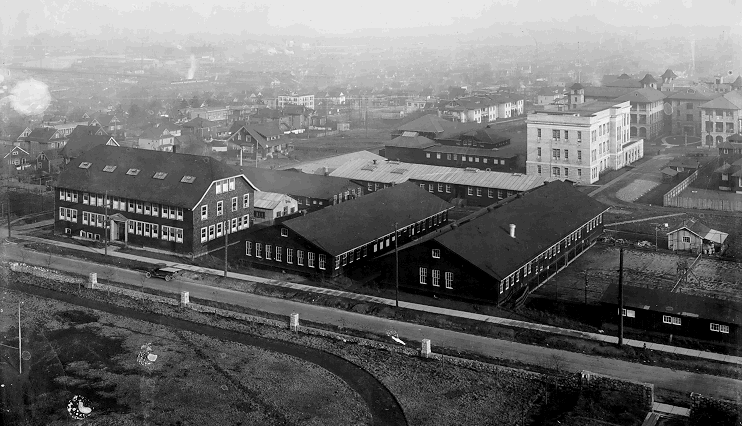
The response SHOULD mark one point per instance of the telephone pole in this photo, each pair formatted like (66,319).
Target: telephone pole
(105,225)
(620,299)
(396,265)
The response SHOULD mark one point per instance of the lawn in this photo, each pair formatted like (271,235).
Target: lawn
(194,380)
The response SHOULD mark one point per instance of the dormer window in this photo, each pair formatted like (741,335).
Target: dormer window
(109,169)
(85,165)
(133,172)
(284,232)
(160,175)
(188,179)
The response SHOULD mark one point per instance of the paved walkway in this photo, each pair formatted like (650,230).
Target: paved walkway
(658,407)
(650,165)
(418,307)
(644,219)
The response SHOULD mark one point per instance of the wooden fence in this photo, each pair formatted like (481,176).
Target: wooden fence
(702,203)
(667,199)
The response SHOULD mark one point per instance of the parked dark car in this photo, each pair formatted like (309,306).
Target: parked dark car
(166,273)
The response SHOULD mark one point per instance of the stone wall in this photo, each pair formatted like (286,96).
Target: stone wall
(706,411)
(643,392)
(45,273)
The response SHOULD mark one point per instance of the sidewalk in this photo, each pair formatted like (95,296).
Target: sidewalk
(414,306)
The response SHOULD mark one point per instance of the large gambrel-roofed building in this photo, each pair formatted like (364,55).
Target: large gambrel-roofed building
(158,200)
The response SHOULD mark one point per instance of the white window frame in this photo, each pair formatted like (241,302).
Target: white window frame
(284,232)
(436,253)
(248,248)
(300,257)
(322,259)
(667,319)
(629,313)
(436,274)
(235,204)
(686,239)
(246,201)
(289,255)
(423,275)
(279,253)
(310,259)
(219,208)
(259,250)
(449,280)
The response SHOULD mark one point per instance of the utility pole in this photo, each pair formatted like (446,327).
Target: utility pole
(396,265)
(20,352)
(620,299)
(105,225)
(586,286)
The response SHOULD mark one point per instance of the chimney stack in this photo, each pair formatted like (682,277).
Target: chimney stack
(512,230)
(175,149)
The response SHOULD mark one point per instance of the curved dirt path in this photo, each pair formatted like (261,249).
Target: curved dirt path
(384,407)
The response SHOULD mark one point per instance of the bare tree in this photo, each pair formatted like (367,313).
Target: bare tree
(22,253)
(49,260)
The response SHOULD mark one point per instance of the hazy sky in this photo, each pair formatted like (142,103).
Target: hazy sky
(343,17)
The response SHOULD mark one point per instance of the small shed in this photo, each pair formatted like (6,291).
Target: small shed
(692,235)
(669,175)
(272,205)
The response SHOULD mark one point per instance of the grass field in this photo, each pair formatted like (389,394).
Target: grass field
(195,379)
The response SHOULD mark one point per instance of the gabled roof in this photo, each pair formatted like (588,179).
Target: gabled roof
(734,139)
(701,230)
(605,92)
(737,82)
(367,218)
(693,95)
(269,200)
(627,83)
(200,122)
(674,303)
(86,130)
(41,134)
(685,162)
(332,163)
(542,217)
(143,186)
(8,150)
(410,140)
(429,123)
(264,130)
(236,126)
(81,143)
(642,95)
(576,86)
(297,184)
(487,135)
(267,113)
(104,119)
(623,76)
(668,171)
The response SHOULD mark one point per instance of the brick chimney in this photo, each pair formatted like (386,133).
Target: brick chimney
(512,230)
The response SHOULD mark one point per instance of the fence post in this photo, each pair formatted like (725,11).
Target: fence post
(425,348)
(184,299)
(92,280)
(294,323)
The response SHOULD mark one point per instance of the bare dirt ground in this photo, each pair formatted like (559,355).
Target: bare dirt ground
(709,277)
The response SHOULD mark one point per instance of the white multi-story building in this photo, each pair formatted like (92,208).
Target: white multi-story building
(294,99)
(581,140)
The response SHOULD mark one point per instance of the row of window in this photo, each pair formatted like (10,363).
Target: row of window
(471,159)
(131,206)
(339,198)
(93,219)
(435,278)
(70,215)
(557,171)
(557,154)
(557,134)
(550,253)
(217,230)
(220,206)
(669,319)
(225,185)
(277,255)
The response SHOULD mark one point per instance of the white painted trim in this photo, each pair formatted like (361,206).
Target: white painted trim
(228,177)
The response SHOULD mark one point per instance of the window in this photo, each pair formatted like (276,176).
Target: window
(427,155)
(322,260)
(449,280)
(566,154)
(502,285)
(566,135)
(438,156)
(258,250)
(85,198)
(721,328)
(538,169)
(436,277)
(310,259)
(440,187)
(667,319)
(430,187)
(154,230)
(279,253)
(579,155)
(423,275)
(556,134)
(538,133)
(469,190)
(219,229)
(436,254)
(289,255)
(300,257)
(219,208)
(155,210)
(556,153)
(246,201)
(204,234)
(448,188)
(234,204)
(686,239)
(147,209)
(629,313)
(538,152)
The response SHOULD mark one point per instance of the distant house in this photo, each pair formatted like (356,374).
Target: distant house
(270,205)
(49,161)
(201,127)
(16,159)
(108,122)
(732,148)
(669,175)
(673,313)
(692,235)
(160,137)
(83,129)
(684,164)
(312,192)
(730,176)
(265,115)
(265,141)
(295,117)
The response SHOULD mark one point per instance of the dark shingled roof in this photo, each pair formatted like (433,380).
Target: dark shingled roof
(737,82)
(199,122)
(576,86)
(543,216)
(86,130)
(296,183)
(41,134)
(647,79)
(81,143)
(143,186)
(668,74)
(357,222)
(676,304)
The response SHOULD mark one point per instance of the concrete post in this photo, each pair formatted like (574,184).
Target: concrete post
(425,348)
(92,280)
(294,324)
(184,299)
